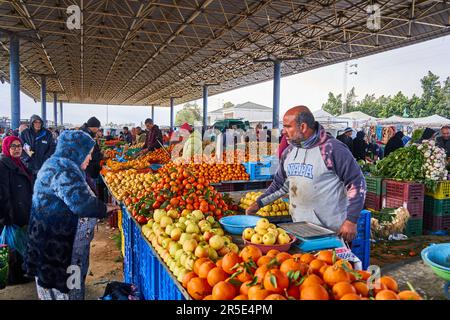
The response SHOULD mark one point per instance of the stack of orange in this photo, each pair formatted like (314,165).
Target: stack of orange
(215,172)
(281,276)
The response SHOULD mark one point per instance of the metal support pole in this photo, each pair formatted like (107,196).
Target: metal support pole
(171,112)
(205,107)
(55,108)
(14,71)
(44,100)
(153,114)
(61,123)
(276,94)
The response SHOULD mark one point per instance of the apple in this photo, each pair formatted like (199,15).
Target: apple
(213,254)
(196,236)
(204,226)
(223,251)
(217,231)
(280,230)
(173,213)
(207,235)
(165,243)
(182,219)
(192,228)
(183,258)
(185,212)
(189,263)
(184,237)
(189,245)
(273,231)
(261,231)
(181,225)
(198,215)
(165,221)
(216,242)
(216,225)
(233,247)
(174,249)
(175,234)
(155,226)
(256,238)
(179,253)
(169,229)
(202,250)
(272,226)
(144,229)
(262,223)
(283,238)
(269,238)
(158,214)
(181,274)
(210,219)
(150,222)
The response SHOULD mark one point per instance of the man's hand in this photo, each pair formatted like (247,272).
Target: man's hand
(348,231)
(252,209)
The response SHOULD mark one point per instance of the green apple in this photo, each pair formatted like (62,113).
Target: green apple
(262,223)
(182,219)
(181,274)
(269,238)
(198,215)
(179,253)
(165,243)
(202,250)
(169,229)
(150,223)
(256,239)
(210,219)
(260,231)
(233,247)
(248,233)
(184,237)
(189,245)
(216,242)
(174,249)
(158,214)
(192,228)
(272,226)
(213,254)
(165,221)
(173,213)
(217,231)
(183,257)
(283,238)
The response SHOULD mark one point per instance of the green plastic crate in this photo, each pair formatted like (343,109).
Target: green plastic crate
(374,184)
(436,207)
(414,227)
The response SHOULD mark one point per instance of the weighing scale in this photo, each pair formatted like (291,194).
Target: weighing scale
(312,236)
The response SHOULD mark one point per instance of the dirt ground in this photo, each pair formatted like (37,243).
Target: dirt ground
(105,266)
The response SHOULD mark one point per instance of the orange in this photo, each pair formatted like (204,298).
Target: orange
(293,265)
(364,274)
(323,269)
(208,297)
(276,281)
(257,293)
(264,260)
(216,275)
(378,288)
(361,288)
(282,256)
(293,291)
(187,277)
(297,256)
(250,253)
(333,275)
(229,261)
(340,289)
(244,275)
(198,288)
(326,256)
(316,265)
(219,263)
(351,296)
(241,297)
(260,273)
(223,291)
(307,258)
(390,283)
(198,263)
(409,295)
(275,296)
(386,295)
(243,290)
(205,268)
(340,263)
(314,292)
(311,279)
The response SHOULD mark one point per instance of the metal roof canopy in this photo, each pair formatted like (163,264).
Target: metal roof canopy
(137,52)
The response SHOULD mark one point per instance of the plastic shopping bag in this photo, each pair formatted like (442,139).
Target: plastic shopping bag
(15,237)
(4,257)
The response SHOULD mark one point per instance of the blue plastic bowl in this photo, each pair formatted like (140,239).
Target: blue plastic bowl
(437,255)
(237,224)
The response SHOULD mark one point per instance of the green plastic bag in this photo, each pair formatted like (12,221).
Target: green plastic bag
(4,256)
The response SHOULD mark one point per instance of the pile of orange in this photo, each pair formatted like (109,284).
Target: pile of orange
(157,156)
(215,172)
(282,276)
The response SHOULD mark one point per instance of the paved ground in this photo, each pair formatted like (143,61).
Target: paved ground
(105,266)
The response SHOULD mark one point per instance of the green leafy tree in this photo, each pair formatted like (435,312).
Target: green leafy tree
(190,113)
(333,104)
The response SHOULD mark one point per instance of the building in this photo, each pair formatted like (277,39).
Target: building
(250,111)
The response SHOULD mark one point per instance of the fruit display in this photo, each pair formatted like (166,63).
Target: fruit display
(129,182)
(110,153)
(183,239)
(266,233)
(250,275)
(277,208)
(217,172)
(157,156)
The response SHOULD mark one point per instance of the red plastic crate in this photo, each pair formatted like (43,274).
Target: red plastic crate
(406,191)
(373,201)
(435,223)
(415,208)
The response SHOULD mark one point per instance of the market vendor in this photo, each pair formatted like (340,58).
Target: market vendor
(325,183)
(443,140)
(153,140)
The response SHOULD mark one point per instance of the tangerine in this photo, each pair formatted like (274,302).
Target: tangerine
(216,275)
(314,292)
(223,291)
(198,288)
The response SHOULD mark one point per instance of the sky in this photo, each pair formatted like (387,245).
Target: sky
(382,74)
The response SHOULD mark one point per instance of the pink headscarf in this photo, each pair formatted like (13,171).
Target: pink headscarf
(5,150)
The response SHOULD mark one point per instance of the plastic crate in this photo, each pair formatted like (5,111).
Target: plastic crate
(363,226)
(149,264)
(374,185)
(128,249)
(406,191)
(136,242)
(415,208)
(361,248)
(442,191)
(414,227)
(155,166)
(258,170)
(436,207)
(436,223)
(373,201)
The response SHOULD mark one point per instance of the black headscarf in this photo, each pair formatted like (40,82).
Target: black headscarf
(359,146)
(394,143)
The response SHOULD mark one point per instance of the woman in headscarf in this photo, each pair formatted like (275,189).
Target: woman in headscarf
(16,189)
(394,143)
(427,134)
(58,236)
(360,146)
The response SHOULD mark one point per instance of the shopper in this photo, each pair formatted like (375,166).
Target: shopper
(359,146)
(38,145)
(346,138)
(428,134)
(126,136)
(91,127)
(443,140)
(16,189)
(394,143)
(324,182)
(61,198)
(140,135)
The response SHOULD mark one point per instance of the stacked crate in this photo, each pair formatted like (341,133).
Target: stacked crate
(409,195)
(437,208)
(373,194)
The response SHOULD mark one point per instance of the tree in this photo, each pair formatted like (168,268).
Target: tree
(333,104)
(228,105)
(190,113)
(350,101)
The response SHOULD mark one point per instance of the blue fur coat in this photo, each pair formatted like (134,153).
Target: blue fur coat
(61,197)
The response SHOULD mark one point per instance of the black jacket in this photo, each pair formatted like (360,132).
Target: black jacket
(16,190)
(42,143)
(444,144)
(93,169)
(394,143)
(346,140)
(359,146)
